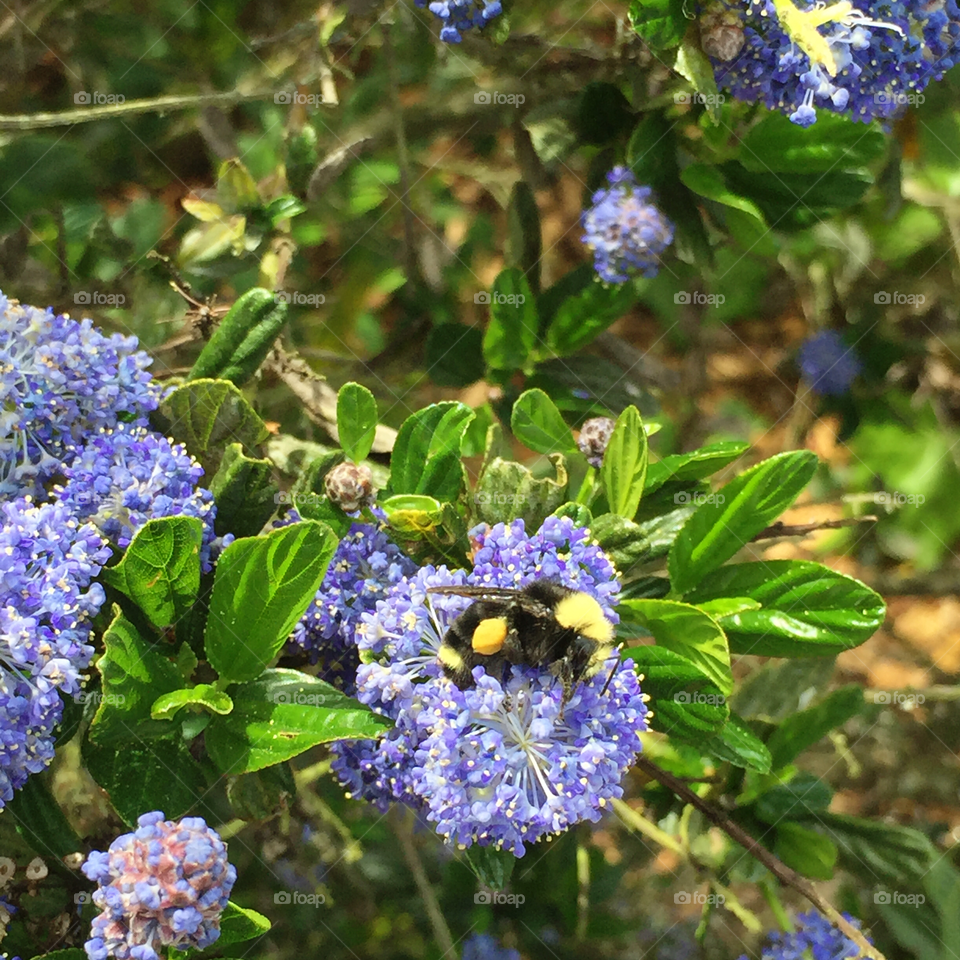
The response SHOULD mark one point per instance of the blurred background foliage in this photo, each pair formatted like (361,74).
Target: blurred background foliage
(335,152)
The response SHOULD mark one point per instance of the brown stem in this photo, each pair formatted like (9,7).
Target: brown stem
(781,529)
(777,867)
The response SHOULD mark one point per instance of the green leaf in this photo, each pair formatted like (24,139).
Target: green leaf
(727,607)
(242,340)
(134,674)
(806,851)
(695,65)
(585,314)
(803,797)
(879,852)
(244,492)
(454,355)
(491,867)
(40,821)
(236,188)
(138,777)
(202,695)
(68,953)
(775,145)
(356,420)
(806,609)
(661,23)
(622,540)
(688,707)
(741,509)
(687,631)
(538,424)
(523,224)
(512,330)
(801,730)
(624,468)
(263,794)
(281,715)
(238,924)
(736,743)
(780,688)
(263,586)
(207,416)
(692,466)
(160,570)
(426,454)
(507,490)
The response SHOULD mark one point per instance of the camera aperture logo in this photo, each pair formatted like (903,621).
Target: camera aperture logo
(297,899)
(499,898)
(482,97)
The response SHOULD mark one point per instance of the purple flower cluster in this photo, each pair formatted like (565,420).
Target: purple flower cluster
(815,937)
(124,476)
(625,231)
(458,16)
(483,946)
(61,379)
(164,885)
(828,363)
(366,564)
(863,58)
(47,562)
(499,764)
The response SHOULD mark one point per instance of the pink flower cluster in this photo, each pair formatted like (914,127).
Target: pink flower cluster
(164,885)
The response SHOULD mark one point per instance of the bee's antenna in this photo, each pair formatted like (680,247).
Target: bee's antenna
(612,672)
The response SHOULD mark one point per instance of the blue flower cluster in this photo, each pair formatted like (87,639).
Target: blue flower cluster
(164,885)
(815,937)
(828,363)
(366,564)
(499,764)
(625,231)
(60,380)
(482,946)
(862,58)
(458,16)
(47,562)
(127,475)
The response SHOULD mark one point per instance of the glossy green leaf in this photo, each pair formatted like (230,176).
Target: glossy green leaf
(207,416)
(507,490)
(524,235)
(357,418)
(454,354)
(800,798)
(512,331)
(661,23)
(138,777)
(203,695)
(492,868)
(806,851)
(160,569)
(245,493)
(801,730)
(538,424)
(692,466)
(736,743)
(426,454)
(263,586)
(585,314)
(695,65)
(41,822)
(624,467)
(687,631)
(724,608)
(281,715)
(806,609)
(688,706)
(238,924)
(134,673)
(622,540)
(741,509)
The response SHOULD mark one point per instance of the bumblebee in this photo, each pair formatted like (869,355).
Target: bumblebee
(543,624)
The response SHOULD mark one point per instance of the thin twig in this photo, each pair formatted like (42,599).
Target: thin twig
(777,867)
(402,822)
(781,529)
